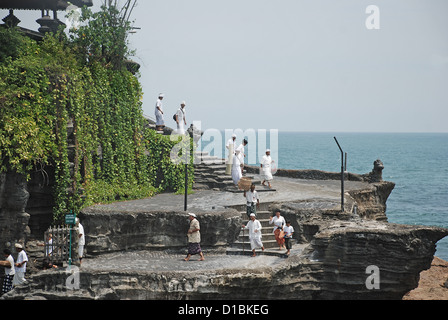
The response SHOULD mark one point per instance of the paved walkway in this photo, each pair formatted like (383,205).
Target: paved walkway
(324,193)
(287,189)
(160,261)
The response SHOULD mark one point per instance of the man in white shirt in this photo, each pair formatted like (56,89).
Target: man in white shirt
(81,240)
(265,164)
(254,227)
(194,238)
(230,145)
(289,230)
(8,264)
(181,119)
(20,265)
(252,200)
(160,122)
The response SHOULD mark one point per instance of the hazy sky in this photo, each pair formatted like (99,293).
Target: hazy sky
(295,65)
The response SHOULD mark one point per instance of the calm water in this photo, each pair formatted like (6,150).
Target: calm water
(416,162)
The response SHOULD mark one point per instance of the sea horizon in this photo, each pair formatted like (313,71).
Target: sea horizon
(414,161)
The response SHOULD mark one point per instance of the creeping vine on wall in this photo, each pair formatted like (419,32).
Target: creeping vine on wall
(110,155)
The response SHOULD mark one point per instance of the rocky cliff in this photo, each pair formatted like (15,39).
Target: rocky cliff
(355,254)
(13,218)
(332,266)
(111,231)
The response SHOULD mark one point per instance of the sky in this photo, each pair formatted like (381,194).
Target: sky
(293,65)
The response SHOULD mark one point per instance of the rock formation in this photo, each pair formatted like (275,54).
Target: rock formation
(13,218)
(355,254)
(114,231)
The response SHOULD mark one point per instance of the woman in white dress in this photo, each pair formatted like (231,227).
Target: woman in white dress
(266,173)
(236,168)
(279,222)
(181,119)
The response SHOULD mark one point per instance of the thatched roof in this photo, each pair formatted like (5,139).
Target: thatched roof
(42,4)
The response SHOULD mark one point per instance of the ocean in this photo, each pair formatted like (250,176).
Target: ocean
(416,162)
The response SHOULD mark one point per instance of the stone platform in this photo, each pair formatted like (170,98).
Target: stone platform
(135,249)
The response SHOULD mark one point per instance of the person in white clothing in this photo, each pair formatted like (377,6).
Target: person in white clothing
(20,265)
(265,164)
(230,145)
(8,264)
(181,119)
(278,222)
(289,230)
(254,227)
(160,122)
(252,200)
(81,240)
(241,154)
(236,168)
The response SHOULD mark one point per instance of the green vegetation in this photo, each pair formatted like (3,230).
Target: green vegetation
(46,85)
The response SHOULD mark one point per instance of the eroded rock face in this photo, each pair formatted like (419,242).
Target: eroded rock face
(335,265)
(371,202)
(112,231)
(339,251)
(342,252)
(13,218)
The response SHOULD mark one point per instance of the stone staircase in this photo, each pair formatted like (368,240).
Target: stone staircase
(242,245)
(210,174)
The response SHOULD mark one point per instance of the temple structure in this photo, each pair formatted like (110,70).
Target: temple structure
(46,22)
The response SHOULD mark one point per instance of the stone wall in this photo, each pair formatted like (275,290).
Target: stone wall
(13,218)
(339,255)
(115,231)
(332,266)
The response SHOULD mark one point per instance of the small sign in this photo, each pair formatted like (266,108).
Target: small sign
(70,218)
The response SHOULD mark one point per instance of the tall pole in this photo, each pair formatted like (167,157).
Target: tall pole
(342,175)
(186,186)
(187,154)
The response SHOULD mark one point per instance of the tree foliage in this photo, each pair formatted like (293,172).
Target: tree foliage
(47,85)
(103,36)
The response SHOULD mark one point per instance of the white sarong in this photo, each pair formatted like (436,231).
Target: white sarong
(266,169)
(236,170)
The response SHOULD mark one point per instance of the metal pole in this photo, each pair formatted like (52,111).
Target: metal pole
(186,186)
(243,241)
(342,175)
(345,164)
(187,158)
(70,249)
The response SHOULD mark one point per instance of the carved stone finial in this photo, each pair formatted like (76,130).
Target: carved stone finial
(376,175)
(11,20)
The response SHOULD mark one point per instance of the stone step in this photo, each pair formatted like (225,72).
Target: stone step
(264,223)
(235,190)
(260,215)
(226,183)
(213,166)
(212,161)
(274,251)
(207,158)
(200,153)
(248,252)
(266,235)
(246,244)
